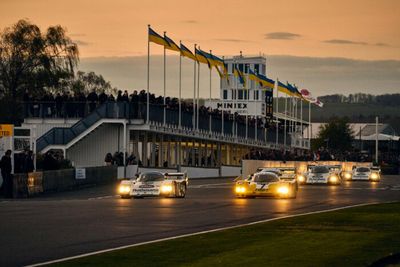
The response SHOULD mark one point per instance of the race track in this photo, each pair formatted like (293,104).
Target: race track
(87,220)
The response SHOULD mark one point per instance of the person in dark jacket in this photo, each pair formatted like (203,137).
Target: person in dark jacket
(92,98)
(103,97)
(28,162)
(59,105)
(6,168)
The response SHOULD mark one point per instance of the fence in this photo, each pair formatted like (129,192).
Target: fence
(26,185)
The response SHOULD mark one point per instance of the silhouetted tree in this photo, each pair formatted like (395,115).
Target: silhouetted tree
(336,135)
(32,60)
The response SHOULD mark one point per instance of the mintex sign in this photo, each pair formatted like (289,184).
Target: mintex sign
(6,130)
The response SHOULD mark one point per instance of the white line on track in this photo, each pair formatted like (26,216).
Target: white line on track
(199,233)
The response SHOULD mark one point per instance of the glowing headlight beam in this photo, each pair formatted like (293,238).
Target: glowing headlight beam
(301,178)
(284,190)
(240,189)
(374,176)
(166,188)
(333,179)
(123,189)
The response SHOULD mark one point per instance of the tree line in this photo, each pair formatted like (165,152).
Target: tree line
(36,62)
(361,98)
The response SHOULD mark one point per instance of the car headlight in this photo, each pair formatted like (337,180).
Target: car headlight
(284,190)
(347,175)
(333,179)
(240,189)
(166,188)
(301,178)
(374,176)
(123,189)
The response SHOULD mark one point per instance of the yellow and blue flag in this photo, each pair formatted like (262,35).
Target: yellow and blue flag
(237,73)
(216,61)
(266,82)
(253,76)
(171,45)
(293,90)
(202,58)
(283,88)
(187,53)
(156,38)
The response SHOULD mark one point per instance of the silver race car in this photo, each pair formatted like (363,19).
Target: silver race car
(155,184)
(366,174)
(322,174)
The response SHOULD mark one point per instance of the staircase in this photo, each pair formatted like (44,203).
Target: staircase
(59,136)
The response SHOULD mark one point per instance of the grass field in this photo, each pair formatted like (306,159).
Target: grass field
(352,237)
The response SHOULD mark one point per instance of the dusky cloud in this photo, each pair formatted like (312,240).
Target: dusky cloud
(282,36)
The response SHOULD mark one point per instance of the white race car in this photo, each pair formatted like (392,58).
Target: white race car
(154,184)
(322,174)
(366,174)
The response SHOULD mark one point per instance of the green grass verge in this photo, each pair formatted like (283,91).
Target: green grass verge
(351,237)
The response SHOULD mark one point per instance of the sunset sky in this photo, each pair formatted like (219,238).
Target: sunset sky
(364,30)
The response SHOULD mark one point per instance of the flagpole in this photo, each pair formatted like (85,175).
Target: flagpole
(277,110)
(223,102)
(165,86)
(284,136)
(198,96)
(294,114)
(247,109)
(148,77)
(236,104)
(309,131)
(301,121)
(180,87)
(210,118)
(194,93)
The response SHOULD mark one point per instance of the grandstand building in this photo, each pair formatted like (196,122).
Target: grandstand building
(122,126)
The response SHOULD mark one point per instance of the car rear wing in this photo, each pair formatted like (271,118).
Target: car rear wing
(176,174)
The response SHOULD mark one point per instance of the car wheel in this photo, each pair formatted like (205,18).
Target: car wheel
(125,197)
(182,191)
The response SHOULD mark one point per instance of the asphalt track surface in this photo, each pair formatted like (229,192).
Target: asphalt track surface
(72,223)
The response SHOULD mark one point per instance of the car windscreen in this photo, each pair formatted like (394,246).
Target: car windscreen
(362,169)
(151,177)
(174,177)
(265,178)
(288,171)
(335,168)
(319,169)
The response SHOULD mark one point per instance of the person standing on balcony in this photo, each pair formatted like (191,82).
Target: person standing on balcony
(102,97)
(59,104)
(92,98)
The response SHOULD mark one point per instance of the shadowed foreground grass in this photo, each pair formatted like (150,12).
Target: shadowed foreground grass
(352,237)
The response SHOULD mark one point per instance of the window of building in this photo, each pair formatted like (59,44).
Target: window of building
(256,94)
(246,68)
(256,68)
(241,67)
(240,94)
(225,94)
